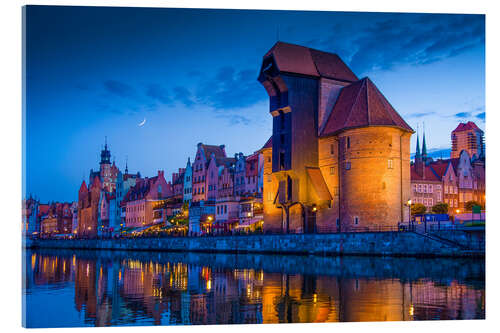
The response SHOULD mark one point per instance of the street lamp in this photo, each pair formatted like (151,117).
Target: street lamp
(408,203)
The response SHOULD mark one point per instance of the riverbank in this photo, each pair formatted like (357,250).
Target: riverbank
(403,244)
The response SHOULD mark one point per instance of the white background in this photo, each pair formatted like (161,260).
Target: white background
(11,157)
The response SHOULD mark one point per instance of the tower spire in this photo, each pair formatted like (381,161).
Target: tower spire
(424,147)
(126,164)
(417,152)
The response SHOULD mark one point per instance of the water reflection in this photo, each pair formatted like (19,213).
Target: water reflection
(128,288)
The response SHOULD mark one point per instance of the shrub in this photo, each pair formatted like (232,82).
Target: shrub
(418,209)
(440,208)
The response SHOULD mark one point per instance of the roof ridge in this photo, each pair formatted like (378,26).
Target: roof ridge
(355,102)
(367,102)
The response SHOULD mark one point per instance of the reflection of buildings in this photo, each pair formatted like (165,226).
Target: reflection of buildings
(113,291)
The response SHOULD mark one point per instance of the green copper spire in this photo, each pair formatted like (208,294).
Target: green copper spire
(424,147)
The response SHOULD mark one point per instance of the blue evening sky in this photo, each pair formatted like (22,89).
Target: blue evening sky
(93,72)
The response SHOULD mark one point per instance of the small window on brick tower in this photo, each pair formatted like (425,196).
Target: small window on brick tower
(332,149)
(348,142)
(356,220)
(389,163)
(282,160)
(332,170)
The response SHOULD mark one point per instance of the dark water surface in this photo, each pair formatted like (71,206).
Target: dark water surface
(103,288)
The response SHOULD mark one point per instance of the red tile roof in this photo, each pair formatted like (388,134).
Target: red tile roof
(83,187)
(298,59)
(269,143)
(466,126)
(440,167)
(218,151)
(428,174)
(361,104)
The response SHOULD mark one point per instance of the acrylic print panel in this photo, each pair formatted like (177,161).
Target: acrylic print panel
(193,166)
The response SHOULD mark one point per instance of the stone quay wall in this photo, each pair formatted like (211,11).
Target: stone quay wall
(361,243)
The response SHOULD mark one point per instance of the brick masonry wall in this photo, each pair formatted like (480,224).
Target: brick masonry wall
(381,243)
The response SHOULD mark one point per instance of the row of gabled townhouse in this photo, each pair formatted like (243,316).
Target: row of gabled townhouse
(48,219)
(453,181)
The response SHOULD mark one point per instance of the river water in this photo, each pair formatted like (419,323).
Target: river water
(65,288)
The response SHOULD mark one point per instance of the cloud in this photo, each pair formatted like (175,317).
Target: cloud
(118,88)
(234,119)
(462,115)
(404,39)
(237,119)
(421,114)
(481,116)
(229,88)
(183,95)
(158,93)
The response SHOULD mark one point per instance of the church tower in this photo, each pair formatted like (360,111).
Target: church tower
(107,172)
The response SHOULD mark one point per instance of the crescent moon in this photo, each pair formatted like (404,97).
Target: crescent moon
(142,123)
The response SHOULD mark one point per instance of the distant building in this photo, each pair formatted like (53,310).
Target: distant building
(188,183)
(108,214)
(58,219)
(240,172)
(124,182)
(251,213)
(31,223)
(226,213)
(201,217)
(178,184)
(200,166)
(252,175)
(340,155)
(226,178)
(452,181)
(141,198)
(468,137)
(88,208)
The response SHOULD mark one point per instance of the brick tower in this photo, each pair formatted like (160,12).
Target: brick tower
(339,153)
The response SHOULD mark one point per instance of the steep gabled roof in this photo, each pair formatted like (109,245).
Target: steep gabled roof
(83,187)
(269,143)
(291,58)
(455,162)
(361,104)
(208,150)
(440,167)
(428,174)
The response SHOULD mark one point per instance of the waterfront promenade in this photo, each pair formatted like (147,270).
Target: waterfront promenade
(411,244)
